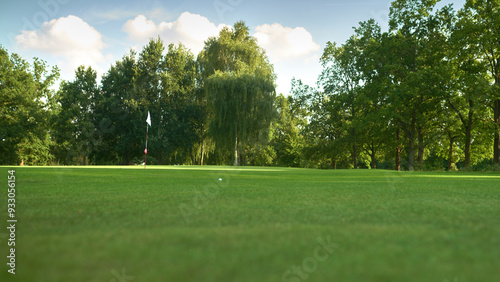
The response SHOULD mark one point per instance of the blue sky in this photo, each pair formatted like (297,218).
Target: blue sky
(97,33)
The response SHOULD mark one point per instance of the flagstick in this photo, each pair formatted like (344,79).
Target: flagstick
(148,123)
(146,152)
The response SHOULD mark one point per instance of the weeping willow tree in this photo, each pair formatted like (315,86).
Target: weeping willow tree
(242,107)
(239,89)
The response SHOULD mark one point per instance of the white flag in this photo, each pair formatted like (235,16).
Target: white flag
(148,120)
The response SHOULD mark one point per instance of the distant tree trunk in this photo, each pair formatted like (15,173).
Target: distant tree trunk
(411,153)
(372,152)
(450,151)
(411,156)
(334,163)
(398,152)
(496,143)
(421,148)
(410,131)
(467,125)
(374,165)
(193,159)
(354,150)
(468,134)
(450,155)
(236,161)
(355,158)
(202,150)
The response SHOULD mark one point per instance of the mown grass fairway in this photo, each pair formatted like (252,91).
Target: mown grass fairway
(183,224)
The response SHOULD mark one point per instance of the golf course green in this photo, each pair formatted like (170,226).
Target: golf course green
(191,223)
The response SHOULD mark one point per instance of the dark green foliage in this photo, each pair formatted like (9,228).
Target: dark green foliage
(239,90)
(418,91)
(286,140)
(27,106)
(74,126)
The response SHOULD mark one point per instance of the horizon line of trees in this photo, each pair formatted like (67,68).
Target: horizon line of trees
(423,95)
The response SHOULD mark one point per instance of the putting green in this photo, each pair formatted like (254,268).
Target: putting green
(180,223)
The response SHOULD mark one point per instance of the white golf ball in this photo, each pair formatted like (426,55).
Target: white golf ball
(220,179)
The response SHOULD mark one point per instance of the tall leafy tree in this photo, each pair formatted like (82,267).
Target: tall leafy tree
(159,82)
(287,139)
(470,86)
(115,109)
(418,65)
(75,125)
(27,104)
(479,29)
(449,138)
(355,78)
(239,88)
(326,133)
(181,115)
(341,81)
(37,147)
(381,136)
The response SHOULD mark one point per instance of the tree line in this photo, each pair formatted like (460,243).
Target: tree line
(423,95)
(209,109)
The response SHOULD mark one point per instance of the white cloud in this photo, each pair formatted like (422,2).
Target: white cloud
(140,28)
(293,53)
(68,38)
(190,29)
(306,70)
(284,43)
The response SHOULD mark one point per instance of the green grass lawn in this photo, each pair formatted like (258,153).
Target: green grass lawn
(257,224)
